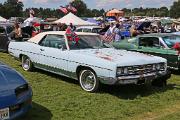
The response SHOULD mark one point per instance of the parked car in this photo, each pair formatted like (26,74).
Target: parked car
(7,35)
(160,44)
(5,30)
(90,29)
(15,94)
(88,60)
(176,33)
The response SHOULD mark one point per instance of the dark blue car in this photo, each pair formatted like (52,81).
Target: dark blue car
(15,94)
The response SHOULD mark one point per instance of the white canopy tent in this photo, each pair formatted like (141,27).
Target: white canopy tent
(71,18)
(2,19)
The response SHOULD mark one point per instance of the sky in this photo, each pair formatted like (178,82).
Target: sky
(98,4)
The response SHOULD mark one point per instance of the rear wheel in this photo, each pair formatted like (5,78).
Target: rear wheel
(26,63)
(88,81)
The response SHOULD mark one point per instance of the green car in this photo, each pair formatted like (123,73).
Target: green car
(160,44)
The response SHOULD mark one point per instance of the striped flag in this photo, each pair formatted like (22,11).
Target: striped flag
(108,38)
(71,8)
(63,9)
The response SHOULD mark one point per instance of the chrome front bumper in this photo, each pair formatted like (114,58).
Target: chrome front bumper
(133,79)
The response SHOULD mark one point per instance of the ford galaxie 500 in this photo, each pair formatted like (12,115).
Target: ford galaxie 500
(88,60)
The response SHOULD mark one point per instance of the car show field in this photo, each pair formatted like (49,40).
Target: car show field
(56,97)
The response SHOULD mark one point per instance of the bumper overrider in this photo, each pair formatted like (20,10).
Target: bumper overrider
(138,74)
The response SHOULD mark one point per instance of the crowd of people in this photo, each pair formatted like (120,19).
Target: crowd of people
(110,31)
(114,32)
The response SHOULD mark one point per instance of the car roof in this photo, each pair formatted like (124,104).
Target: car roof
(157,35)
(36,39)
(89,27)
(6,24)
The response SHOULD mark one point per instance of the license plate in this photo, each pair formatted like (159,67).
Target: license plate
(4,114)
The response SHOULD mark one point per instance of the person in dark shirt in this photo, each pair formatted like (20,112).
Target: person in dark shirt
(173,29)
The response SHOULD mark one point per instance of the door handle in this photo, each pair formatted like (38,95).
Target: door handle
(42,49)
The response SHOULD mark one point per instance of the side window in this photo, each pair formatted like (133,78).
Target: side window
(2,30)
(86,30)
(9,29)
(94,30)
(149,41)
(79,30)
(53,41)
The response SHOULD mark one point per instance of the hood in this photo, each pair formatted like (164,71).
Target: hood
(121,57)
(7,97)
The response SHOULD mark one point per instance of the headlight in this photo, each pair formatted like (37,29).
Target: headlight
(161,66)
(122,71)
(158,66)
(126,71)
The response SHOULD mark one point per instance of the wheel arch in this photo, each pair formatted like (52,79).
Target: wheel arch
(81,67)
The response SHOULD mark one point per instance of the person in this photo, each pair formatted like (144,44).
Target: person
(110,30)
(17,32)
(73,28)
(133,31)
(173,29)
(160,28)
(117,33)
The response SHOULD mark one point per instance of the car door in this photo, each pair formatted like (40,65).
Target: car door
(173,60)
(152,45)
(54,55)
(3,39)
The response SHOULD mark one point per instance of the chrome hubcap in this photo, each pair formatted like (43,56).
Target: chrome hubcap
(26,63)
(88,80)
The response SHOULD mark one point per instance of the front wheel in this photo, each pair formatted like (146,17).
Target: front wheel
(160,83)
(88,81)
(26,63)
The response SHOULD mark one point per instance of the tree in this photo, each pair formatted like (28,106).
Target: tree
(174,10)
(13,8)
(163,11)
(80,6)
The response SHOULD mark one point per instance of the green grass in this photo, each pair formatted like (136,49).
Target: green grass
(59,98)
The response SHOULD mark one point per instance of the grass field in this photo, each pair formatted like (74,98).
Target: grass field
(59,98)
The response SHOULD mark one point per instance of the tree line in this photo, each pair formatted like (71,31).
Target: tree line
(14,8)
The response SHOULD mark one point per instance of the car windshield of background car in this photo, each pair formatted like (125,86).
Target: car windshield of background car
(9,29)
(171,40)
(2,30)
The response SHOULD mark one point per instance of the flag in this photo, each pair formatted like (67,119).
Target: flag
(108,38)
(31,12)
(177,47)
(63,9)
(71,35)
(71,8)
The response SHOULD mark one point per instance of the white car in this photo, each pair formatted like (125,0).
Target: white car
(90,29)
(88,60)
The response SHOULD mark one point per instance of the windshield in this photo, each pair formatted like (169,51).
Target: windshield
(96,30)
(9,29)
(86,42)
(171,40)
